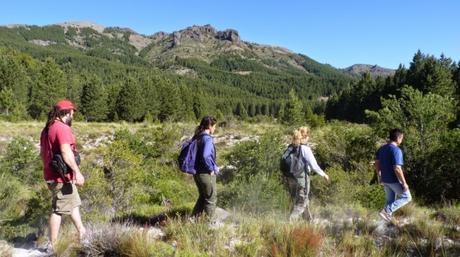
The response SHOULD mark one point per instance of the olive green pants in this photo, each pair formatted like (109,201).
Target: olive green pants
(206,184)
(299,189)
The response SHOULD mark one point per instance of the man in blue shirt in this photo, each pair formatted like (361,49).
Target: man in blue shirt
(388,165)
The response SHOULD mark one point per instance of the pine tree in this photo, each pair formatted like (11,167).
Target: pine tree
(264,110)
(94,100)
(431,75)
(170,102)
(14,76)
(150,88)
(219,115)
(74,82)
(7,101)
(293,110)
(241,111)
(186,110)
(49,88)
(130,102)
(113,90)
(199,106)
(251,110)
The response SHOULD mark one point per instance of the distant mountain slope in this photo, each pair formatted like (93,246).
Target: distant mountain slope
(374,70)
(197,52)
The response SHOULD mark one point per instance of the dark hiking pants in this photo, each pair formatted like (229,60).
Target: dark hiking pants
(206,184)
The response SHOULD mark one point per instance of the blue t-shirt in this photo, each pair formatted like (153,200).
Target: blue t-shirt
(388,156)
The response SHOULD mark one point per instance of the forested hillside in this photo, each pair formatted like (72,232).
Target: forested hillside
(177,76)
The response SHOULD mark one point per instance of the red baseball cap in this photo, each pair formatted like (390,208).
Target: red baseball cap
(65,105)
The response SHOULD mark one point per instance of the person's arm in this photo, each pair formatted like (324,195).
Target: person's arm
(377,171)
(400,174)
(310,158)
(397,167)
(208,154)
(69,159)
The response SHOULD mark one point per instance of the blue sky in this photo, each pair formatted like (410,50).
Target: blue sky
(340,33)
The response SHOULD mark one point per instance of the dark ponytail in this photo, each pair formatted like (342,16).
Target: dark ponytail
(206,122)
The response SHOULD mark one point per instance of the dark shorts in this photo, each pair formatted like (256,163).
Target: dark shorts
(65,197)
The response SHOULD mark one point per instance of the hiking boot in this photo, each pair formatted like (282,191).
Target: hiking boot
(385,215)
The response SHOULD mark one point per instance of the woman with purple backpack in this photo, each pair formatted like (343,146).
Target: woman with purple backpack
(206,168)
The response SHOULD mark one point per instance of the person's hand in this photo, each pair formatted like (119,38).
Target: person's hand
(326,177)
(405,187)
(380,180)
(79,179)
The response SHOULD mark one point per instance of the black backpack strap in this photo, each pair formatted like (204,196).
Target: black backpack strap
(59,157)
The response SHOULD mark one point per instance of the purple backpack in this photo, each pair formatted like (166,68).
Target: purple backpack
(187,155)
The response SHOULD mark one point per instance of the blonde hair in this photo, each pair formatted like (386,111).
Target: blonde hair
(305,131)
(300,135)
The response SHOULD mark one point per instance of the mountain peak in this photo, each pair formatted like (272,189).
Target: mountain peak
(205,29)
(201,33)
(82,24)
(374,70)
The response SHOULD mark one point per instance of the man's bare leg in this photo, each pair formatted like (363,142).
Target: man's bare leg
(76,219)
(54,224)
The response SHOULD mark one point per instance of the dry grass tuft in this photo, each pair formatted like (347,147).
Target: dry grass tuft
(123,240)
(294,240)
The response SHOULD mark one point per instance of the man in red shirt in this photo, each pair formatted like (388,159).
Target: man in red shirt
(57,138)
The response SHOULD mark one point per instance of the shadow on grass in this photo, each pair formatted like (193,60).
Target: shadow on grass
(159,219)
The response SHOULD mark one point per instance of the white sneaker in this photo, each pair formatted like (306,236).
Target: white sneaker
(385,215)
(215,224)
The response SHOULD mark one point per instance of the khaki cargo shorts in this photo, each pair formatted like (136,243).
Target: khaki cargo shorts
(65,197)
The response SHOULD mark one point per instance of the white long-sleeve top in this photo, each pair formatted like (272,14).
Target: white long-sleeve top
(309,158)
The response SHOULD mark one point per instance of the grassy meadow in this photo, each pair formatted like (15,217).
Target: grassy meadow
(136,202)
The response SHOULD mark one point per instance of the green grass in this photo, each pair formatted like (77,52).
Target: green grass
(344,224)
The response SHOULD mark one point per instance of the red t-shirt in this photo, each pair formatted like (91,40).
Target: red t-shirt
(58,133)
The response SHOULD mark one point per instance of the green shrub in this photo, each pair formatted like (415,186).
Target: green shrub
(23,210)
(449,214)
(152,142)
(95,195)
(344,144)
(14,197)
(123,171)
(441,171)
(348,187)
(173,188)
(22,161)
(257,194)
(134,175)
(256,184)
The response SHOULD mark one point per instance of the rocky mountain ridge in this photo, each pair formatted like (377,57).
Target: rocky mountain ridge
(374,70)
(190,52)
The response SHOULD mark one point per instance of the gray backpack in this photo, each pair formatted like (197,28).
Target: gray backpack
(291,163)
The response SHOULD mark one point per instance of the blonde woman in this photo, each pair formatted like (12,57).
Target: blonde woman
(303,162)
